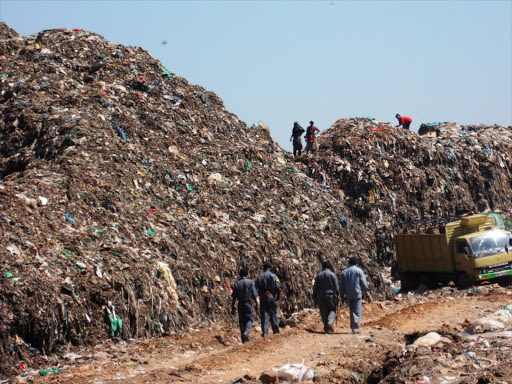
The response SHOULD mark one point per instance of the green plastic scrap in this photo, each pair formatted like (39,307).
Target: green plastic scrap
(292,170)
(257,234)
(249,165)
(116,324)
(97,230)
(169,74)
(44,372)
(80,265)
(455,170)
(8,274)
(190,188)
(67,253)
(151,232)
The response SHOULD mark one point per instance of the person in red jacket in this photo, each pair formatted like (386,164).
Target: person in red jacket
(311,132)
(405,121)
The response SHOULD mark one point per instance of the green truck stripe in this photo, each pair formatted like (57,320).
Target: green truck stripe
(492,275)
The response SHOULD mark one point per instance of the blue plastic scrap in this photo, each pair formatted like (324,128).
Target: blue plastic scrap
(342,221)
(120,130)
(69,218)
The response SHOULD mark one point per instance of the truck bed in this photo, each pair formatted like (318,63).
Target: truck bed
(423,253)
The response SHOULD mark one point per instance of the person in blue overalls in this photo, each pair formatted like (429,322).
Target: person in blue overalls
(244,291)
(353,285)
(268,287)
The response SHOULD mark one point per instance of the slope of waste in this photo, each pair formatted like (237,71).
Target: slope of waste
(129,199)
(390,177)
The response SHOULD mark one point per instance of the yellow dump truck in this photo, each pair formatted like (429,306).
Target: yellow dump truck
(470,250)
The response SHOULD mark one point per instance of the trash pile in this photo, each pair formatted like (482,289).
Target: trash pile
(479,355)
(129,199)
(388,176)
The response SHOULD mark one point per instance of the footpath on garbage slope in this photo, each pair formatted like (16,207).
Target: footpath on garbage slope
(383,353)
(129,199)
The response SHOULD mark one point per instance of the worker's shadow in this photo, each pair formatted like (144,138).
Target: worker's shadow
(310,330)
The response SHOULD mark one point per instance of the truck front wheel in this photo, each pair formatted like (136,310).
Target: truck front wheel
(463,281)
(505,281)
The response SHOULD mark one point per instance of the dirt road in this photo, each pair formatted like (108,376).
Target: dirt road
(215,355)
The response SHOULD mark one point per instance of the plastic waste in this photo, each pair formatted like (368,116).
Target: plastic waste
(121,132)
(69,218)
(116,323)
(295,373)
(44,372)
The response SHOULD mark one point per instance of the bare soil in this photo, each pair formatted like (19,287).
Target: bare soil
(215,355)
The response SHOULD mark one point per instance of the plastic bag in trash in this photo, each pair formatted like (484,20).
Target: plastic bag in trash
(295,373)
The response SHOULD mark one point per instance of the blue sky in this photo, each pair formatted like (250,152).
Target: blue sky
(286,61)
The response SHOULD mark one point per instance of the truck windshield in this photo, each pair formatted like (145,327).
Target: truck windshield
(490,243)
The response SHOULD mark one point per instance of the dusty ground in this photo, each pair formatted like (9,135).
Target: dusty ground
(216,356)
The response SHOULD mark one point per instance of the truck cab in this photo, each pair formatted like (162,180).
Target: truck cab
(485,255)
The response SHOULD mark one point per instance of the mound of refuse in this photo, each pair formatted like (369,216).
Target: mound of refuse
(389,177)
(129,199)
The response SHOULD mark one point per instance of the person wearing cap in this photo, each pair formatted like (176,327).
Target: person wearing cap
(404,121)
(311,137)
(326,293)
(353,285)
(269,288)
(245,292)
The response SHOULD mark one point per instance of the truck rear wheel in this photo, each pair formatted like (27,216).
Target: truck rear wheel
(409,280)
(463,281)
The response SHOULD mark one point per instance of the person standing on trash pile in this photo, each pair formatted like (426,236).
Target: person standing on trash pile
(404,121)
(326,293)
(311,132)
(482,205)
(245,292)
(297,132)
(269,288)
(353,285)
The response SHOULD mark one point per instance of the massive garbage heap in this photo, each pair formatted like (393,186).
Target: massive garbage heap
(390,177)
(129,199)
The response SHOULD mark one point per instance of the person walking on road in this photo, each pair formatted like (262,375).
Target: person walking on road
(268,287)
(297,132)
(245,292)
(353,285)
(404,121)
(326,294)
(311,132)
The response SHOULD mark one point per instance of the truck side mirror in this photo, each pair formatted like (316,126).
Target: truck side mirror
(510,241)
